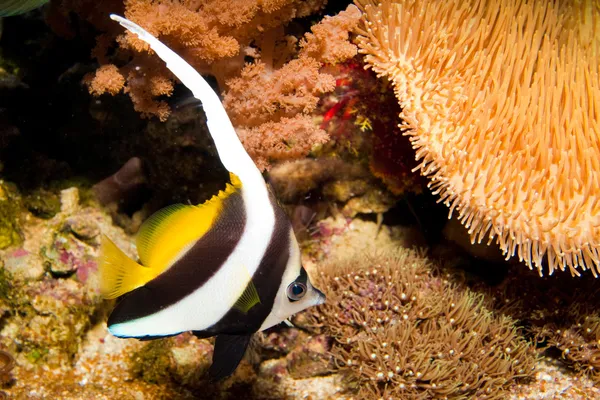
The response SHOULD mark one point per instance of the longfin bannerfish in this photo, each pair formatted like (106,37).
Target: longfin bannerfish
(229,267)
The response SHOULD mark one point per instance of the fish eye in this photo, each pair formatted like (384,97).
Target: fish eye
(296,291)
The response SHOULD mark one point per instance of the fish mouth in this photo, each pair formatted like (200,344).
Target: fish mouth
(321,298)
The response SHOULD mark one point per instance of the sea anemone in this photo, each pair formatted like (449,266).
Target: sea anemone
(502,103)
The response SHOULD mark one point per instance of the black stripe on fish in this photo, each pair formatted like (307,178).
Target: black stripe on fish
(267,279)
(191,271)
(303,277)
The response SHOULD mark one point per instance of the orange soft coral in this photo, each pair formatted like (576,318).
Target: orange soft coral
(287,139)
(328,41)
(270,108)
(260,94)
(107,79)
(206,33)
(143,86)
(278,90)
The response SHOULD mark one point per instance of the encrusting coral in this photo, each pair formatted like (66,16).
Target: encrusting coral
(403,331)
(502,103)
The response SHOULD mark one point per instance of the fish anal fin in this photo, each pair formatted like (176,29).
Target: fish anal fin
(119,274)
(248,299)
(229,350)
(148,338)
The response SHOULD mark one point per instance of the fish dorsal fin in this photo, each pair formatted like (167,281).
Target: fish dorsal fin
(153,229)
(249,297)
(170,231)
(231,151)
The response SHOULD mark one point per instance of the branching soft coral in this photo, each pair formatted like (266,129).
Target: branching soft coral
(260,94)
(286,139)
(328,41)
(206,33)
(270,100)
(270,108)
(107,79)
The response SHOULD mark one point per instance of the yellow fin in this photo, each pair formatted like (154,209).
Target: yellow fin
(171,230)
(154,228)
(248,299)
(119,274)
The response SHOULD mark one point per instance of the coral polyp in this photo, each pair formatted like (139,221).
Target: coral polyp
(403,331)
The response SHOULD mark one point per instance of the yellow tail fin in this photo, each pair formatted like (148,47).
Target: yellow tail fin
(119,274)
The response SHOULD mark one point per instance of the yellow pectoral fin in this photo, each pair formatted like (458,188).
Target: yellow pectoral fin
(119,274)
(249,297)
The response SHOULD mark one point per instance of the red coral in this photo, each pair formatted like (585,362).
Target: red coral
(363,113)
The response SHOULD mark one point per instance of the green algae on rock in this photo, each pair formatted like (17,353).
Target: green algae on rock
(42,203)
(51,319)
(10,208)
(44,319)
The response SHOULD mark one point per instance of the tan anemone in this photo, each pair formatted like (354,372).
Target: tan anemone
(502,103)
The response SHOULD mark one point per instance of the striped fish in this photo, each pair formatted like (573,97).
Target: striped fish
(228,268)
